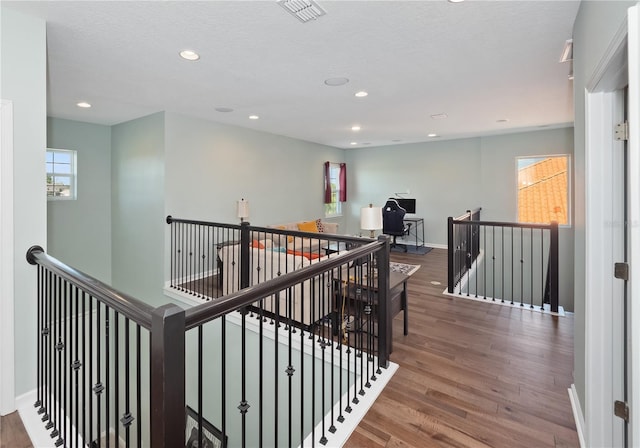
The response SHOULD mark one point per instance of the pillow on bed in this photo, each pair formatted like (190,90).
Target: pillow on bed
(319,225)
(308,226)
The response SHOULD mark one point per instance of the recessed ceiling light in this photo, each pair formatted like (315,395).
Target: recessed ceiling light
(189,55)
(439,116)
(361,94)
(83,104)
(355,128)
(253,117)
(333,82)
(396,140)
(354,143)
(224,109)
(456,1)
(502,120)
(432,135)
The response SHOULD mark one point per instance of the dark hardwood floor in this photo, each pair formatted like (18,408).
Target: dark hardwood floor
(472,374)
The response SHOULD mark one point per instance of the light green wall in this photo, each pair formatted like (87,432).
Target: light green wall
(209,166)
(23,81)
(428,170)
(137,208)
(79,232)
(595,26)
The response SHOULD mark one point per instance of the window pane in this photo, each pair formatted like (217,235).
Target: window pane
(543,190)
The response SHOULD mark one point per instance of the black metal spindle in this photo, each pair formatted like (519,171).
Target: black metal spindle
(532,264)
(116,376)
(521,267)
(502,265)
(138,388)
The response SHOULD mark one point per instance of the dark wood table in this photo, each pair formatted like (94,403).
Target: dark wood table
(356,293)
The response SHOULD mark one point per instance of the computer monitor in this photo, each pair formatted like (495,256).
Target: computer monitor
(408,204)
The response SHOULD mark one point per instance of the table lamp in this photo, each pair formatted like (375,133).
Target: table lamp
(371,219)
(242,209)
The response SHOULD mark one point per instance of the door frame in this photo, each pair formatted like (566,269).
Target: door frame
(602,369)
(7,358)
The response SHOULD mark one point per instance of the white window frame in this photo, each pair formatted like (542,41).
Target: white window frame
(73,175)
(569,182)
(334,179)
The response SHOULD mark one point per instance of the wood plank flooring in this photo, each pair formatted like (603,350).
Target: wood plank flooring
(12,432)
(472,374)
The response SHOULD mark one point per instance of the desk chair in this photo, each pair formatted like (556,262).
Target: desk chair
(393,222)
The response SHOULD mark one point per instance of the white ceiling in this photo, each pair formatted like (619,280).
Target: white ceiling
(476,61)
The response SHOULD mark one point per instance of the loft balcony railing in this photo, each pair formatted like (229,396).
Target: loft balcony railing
(114,370)
(500,261)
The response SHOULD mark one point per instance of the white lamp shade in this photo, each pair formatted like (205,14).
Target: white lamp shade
(371,218)
(243,209)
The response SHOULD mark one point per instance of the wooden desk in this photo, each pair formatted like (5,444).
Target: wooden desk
(357,295)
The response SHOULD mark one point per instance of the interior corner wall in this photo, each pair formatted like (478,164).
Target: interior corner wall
(23,81)
(79,231)
(596,24)
(137,208)
(212,165)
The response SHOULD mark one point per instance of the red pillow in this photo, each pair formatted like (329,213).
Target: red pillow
(257,244)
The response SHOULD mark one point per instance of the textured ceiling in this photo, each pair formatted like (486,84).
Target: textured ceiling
(476,61)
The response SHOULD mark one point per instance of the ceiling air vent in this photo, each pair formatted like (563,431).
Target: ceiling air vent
(567,51)
(303,10)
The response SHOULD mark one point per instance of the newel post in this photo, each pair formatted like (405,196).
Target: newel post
(554,277)
(245,243)
(450,251)
(167,377)
(384,304)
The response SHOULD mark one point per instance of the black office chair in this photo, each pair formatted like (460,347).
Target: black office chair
(393,222)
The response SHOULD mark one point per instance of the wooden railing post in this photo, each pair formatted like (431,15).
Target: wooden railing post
(167,377)
(553,275)
(450,252)
(384,304)
(245,260)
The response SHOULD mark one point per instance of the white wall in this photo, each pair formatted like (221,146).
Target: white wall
(23,81)
(79,232)
(595,26)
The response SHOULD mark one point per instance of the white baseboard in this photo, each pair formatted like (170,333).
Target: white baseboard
(577,413)
(40,437)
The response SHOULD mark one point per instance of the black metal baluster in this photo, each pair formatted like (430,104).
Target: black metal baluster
(127,418)
(542,270)
(47,348)
(84,369)
(261,374)
(521,267)
(90,372)
(531,258)
(493,258)
(66,359)
(116,376)
(485,263)
(58,366)
(38,403)
(107,365)
(512,260)
(223,377)
(200,386)
(502,266)
(138,388)
(98,387)
(76,363)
